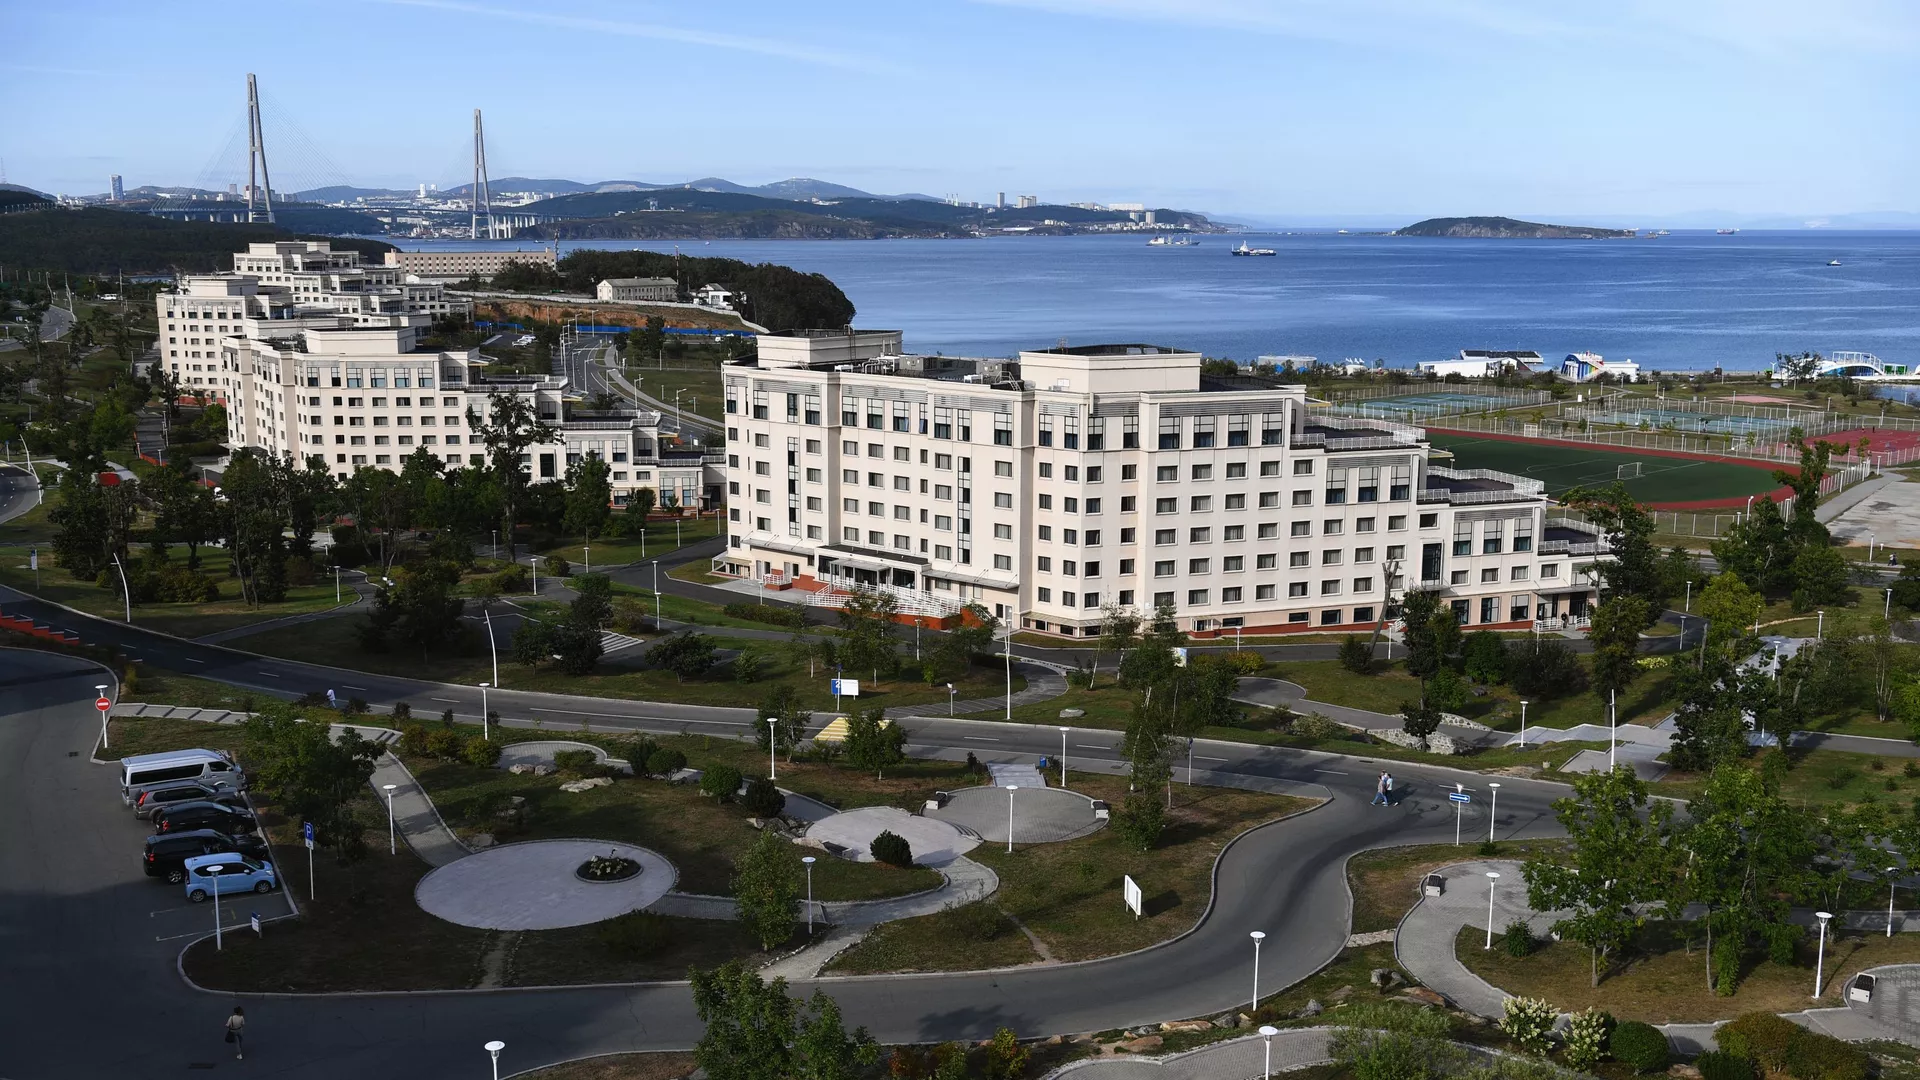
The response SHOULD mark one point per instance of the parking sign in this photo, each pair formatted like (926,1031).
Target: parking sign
(306,833)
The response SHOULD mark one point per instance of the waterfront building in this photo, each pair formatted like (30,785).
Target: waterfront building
(458,264)
(1051,485)
(639,289)
(713,296)
(1587,366)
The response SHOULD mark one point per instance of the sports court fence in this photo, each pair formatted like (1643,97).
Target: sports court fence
(1754,444)
(1716,523)
(1415,403)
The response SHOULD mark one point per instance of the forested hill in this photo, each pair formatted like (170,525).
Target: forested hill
(1505,228)
(96,241)
(776,297)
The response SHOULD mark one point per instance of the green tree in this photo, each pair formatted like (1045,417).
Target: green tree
(1119,630)
(1356,655)
(646,342)
(417,611)
(309,775)
(1749,857)
(1730,608)
(1483,655)
(1615,633)
(593,606)
(576,647)
(1632,567)
(688,654)
(823,1048)
(873,743)
(1618,861)
(790,717)
(641,503)
(533,643)
(766,888)
(1148,750)
(508,431)
(1422,614)
(589,497)
(749,1024)
(1819,577)
(1420,719)
(256,487)
(866,634)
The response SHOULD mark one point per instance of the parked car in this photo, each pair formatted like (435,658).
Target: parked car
(166,855)
(144,771)
(202,814)
(149,802)
(208,875)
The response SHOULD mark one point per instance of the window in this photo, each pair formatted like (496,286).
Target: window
(1002,429)
(1233,564)
(1296,588)
(1332,527)
(1126,536)
(1457,577)
(1363,555)
(1396,552)
(1199,566)
(1162,599)
(1000,468)
(1463,538)
(1046,470)
(1336,486)
(1397,523)
(1401,486)
(1236,501)
(1203,472)
(1270,530)
(1044,532)
(1094,474)
(1197,597)
(1363,584)
(1169,433)
(1297,617)
(1044,595)
(1265,562)
(1046,502)
(1093,506)
(1128,504)
(1070,505)
(1236,470)
(1303,468)
(1429,521)
(1330,558)
(1200,504)
(1518,573)
(1126,566)
(1363,524)
(1203,432)
(1000,532)
(1551,570)
(1069,536)
(1003,562)
(1329,618)
(1523,535)
(1363,614)
(1237,433)
(1003,500)
(1166,506)
(1517,608)
(1303,498)
(943,492)
(1492,537)
(1489,605)
(1167,474)
(1163,568)
(1068,567)
(1163,537)
(1269,500)
(1269,468)
(1202,535)
(1045,435)
(1263,592)
(1329,588)
(1129,472)
(1233,532)
(1044,564)
(1297,558)
(1490,574)
(1300,528)
(1091,569)
(1368,487)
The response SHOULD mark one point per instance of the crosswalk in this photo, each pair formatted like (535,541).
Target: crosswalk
(611,642)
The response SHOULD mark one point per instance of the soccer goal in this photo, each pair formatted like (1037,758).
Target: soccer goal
(1629,471)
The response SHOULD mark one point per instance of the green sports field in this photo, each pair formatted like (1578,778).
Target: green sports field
(1662,479)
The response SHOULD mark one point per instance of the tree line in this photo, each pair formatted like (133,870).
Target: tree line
(774,296)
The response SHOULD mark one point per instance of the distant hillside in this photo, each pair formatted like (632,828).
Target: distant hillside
(19,198)
(1505,228)
(99,241)
(801,188)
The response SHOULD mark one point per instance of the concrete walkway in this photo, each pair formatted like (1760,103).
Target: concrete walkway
(967,882)
(1234,1059)
(1043,683)
(533,886)
(1256,690)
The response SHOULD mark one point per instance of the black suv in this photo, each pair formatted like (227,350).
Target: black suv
(151,800)
(202,814)
(166,854)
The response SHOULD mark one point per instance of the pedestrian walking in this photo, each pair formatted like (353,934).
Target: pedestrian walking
(1380,791)
(236,1032)
(1387,779)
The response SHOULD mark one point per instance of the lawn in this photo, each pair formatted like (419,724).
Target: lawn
(640,602)
(699,836)
(182,620)
(612,551)
(1066,895)
(1565,465)
(158,686)
(30,528)
(334,641)
(130,736)
(1660,980)
(1386,881)
(1498,707)
(1822,778)
(670,1065)
(699,381)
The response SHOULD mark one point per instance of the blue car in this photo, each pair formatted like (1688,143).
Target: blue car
(228,873)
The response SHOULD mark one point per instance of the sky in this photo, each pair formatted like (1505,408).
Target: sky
(1261,109)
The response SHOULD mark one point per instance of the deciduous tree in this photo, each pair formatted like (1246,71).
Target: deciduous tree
(766,888)
(1618,861)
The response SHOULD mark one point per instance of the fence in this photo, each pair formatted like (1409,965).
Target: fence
(1417,402)
(1717,523)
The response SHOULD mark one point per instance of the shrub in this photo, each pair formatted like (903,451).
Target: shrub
(513,579)
(665,762)
(1080,678)
(762,799)
(1720,1065)
(1842,777)
(1484,656)
(978,921)
(1911,770)
(480,753)
(1244,662)
(1518,939)
(1006,1058)
(443,743)
(772,614)
(892,848)
(1317,726)
(720,782)
(1355,655)
(575,762)
(1544,668)
(639,750)
(1782,940)
(1641,1046)
(402,711)
(635,935)
(1587,1034)
(1447,690)
(312,699)
(1529,1022)
(1813,1055)
(557,566)
(355,706)
(748,666)
(413,741)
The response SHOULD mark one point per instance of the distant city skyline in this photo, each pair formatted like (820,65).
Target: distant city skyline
(1361,111)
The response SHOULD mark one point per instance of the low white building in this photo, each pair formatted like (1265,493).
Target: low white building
(458,264)
(713,296)
(1583,367)
(1482,363)
(639,289)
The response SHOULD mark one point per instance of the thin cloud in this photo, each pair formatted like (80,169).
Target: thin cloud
(34,69)
(654,31)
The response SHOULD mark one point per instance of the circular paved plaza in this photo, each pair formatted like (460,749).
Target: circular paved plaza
(934,843)
(531,886)
(1040,815)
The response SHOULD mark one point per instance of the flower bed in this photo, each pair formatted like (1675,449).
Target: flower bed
(606,868)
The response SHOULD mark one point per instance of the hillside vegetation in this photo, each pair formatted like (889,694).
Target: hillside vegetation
(96,241)
(776,297)
(1506,228)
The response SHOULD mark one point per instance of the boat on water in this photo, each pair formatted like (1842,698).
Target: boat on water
(1726,232)
(1243,249)
(1833,262)
(1168,241)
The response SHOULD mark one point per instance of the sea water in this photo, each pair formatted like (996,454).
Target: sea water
(1686,301)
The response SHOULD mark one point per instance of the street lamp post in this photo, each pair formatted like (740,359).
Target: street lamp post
(486,720)
(1820,627)
(213,884)
(1820,965)
(656,596)
(1267,1032)
(1011,788)
(1258,936)
(1063,757)
(1523,725)
(1493,878)
(101,690)
(808,860)
(393,845)
(493,1049)
(1887,611)
(1689,606)
(1892,879)
(772,726)
(1493,805)
(586,553)
(950,692)
(493,646)
(1458,787)
(1009,668)
(336,583)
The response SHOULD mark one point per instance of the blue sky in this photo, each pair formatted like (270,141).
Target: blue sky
(1280,108)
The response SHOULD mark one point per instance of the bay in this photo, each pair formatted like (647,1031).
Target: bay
(1686,301)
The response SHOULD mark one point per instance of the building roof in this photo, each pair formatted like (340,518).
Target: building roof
(631,282)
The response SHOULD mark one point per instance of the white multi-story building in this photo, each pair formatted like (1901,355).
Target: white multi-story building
(316,355)
(1048,486)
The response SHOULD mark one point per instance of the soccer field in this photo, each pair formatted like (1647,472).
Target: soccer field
(1560,466)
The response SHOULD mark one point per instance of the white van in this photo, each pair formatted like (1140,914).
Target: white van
(145,771)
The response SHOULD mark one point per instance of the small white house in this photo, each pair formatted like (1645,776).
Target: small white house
(713,296)
(1583,367)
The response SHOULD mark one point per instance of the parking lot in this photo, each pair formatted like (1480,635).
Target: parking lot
(177,917)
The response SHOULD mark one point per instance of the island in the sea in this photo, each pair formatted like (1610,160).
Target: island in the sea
(1504,228)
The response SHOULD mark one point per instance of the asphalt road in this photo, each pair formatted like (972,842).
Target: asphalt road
(17,492)
(96,950)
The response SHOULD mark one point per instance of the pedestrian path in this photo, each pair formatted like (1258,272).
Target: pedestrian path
(1043,683)
(1234,1059)
(363,593)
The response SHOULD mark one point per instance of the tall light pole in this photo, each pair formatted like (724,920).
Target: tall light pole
(1820,965)
(1011,788)
(1613,724)
(1493,878)
(1063,757)
(1892,879)
(1689,606)
(1523,725)
(656,596)
(1009,667)
(1258,936)
(1493,804)
(336,583)
(213,873)
(393,845)
(1458,788)
(1267,1032)
(492,645)
(1887,612)
(1820,627)
(493,1048)
(950,692)
(486,718)
(772,726)
(808,860)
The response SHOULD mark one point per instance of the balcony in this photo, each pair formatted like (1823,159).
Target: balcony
(1463,487)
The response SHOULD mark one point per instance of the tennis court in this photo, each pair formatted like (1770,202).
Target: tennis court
(1415,407)
(1662,480)
(1738,425)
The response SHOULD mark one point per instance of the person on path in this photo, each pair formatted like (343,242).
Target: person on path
(1387,780)
(236,1029)
(1380,791)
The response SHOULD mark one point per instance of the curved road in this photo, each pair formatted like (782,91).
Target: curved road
(81,923)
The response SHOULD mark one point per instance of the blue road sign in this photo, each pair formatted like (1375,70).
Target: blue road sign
(1459,796)
(306,833)
(836,687)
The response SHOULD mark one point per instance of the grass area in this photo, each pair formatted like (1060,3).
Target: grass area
(334,641)
(670,1065)
(700,837)
(1389,686)
(158,686)
(699,383)
(130,736)
(183,620)
(698,573)
(609,551)
(30,528)
(1345,979)
(1660,980)
(1067,894)
(1821,778)
(1663,479)
(1386,882)
(698,612)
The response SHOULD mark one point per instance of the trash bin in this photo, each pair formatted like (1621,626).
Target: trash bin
(1434,885)
(1861,990)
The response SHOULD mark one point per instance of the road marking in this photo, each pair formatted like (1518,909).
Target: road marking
(1332,772)
(268,674)
(362,688)
(191,660)
(448,700)
(1203,757)
(979,738)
